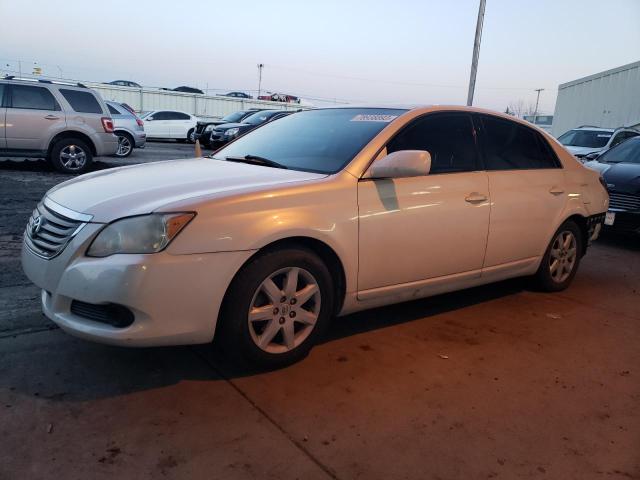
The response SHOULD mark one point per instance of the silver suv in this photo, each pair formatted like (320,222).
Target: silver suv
(128,128)
(66,123)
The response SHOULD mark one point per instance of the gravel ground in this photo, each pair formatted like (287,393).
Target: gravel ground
(494,382)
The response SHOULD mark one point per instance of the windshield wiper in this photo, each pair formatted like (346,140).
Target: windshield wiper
(256,160)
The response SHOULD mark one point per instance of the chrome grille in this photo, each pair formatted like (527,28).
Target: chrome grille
(50,228)
(624,201)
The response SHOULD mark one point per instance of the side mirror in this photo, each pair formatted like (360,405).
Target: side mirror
(402,164)
(148,119)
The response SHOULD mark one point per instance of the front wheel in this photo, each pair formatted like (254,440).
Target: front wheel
(71,155)
(562,258)
(277,307)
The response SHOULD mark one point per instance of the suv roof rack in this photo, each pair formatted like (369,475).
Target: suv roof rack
(588,126)
(44,80)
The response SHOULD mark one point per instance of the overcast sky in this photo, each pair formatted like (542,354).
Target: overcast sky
(402,51)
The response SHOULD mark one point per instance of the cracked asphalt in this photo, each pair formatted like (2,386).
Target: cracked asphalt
(494,382)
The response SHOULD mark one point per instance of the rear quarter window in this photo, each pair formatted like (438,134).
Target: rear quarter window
(83,102)
(508,145)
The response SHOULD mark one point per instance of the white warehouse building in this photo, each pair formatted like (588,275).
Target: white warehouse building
(609,99)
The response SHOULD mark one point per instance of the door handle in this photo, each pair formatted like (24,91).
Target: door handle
(556,191)
(475,197)
(52,117)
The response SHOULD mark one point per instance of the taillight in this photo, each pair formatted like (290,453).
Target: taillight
(107,124)
(139,122)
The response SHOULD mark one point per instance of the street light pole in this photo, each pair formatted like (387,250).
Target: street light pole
(260,67)
(535,111)
(476,52)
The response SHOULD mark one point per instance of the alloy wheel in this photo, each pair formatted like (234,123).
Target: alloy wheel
(73,157)
(563,256)
(284,310)
(124,146)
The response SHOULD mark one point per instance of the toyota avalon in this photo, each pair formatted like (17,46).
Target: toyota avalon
(320,214)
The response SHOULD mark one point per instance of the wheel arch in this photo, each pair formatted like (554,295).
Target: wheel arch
(327,254)
(581,221)
(72,134)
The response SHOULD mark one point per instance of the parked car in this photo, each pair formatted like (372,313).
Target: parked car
(128,128)
(170,124)
(124,83)
(68,124)
(184,89)
(321,213)
(586,140)
(204,127)
(280,97)
(620,168)
(226,132)
(235,95)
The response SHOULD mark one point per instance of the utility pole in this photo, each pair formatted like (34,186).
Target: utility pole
(260,67)
(476,53)
(535,111)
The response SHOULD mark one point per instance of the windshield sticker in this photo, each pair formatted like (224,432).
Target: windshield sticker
(604,136)
(374,118)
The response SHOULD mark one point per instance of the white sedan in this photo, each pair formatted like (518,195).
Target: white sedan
(169,124)
(320,214)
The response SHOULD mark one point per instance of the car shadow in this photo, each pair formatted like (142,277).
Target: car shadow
(627,241)
(54,366)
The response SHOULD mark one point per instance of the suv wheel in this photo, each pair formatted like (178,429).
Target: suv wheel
(125,145)
(560,262)
(71,155)
(277,307)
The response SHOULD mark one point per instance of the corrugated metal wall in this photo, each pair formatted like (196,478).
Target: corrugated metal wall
(199,105)
(608,99)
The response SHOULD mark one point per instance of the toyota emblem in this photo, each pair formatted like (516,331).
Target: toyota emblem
(36,225)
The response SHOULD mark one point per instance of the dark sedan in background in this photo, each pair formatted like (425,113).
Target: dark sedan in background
(620,169)
(204,128)
(226,132)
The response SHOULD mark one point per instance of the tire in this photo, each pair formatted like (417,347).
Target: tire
(282,330)
(191,138)
(126,144)
(71,155)
(561,259)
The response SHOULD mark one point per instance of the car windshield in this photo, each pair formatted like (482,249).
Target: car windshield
(233,117)
(322,141)
(585,138)
(626,152)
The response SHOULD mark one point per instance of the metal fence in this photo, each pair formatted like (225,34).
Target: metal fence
(146,99)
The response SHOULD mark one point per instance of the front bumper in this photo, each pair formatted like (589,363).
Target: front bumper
(625,222)
(175,299)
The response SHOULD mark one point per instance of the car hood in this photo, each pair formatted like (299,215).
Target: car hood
(226,126)
(140,189)
(620,177)
(582,150)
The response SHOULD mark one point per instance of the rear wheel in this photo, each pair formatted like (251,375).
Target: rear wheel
(191,135)
(125,145)
(277,307)
(562,258)
(71,155)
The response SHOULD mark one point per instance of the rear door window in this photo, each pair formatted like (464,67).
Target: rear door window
(178,116)
(448,137)
(83,102)
(33,98)
(508,145)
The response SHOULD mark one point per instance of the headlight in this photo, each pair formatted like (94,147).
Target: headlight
(208,128)
(231,132)
(143,234)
